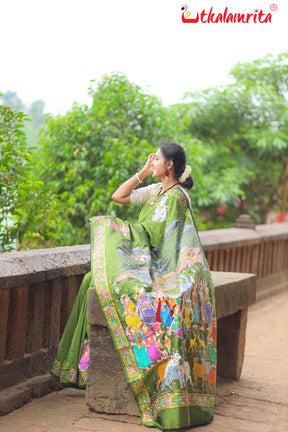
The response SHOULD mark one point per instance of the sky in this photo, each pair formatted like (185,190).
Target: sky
(51,50)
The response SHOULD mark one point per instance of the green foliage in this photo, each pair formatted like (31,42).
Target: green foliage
(13,157)
(209,118)
(244,126)
(23,199)
(90,151)
(270,70)
(235,138)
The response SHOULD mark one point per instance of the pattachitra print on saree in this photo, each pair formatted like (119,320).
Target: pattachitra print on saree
(155,290)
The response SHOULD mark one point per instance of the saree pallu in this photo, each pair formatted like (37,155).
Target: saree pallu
(154,287)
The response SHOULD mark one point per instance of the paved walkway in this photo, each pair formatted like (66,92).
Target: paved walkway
(257,403)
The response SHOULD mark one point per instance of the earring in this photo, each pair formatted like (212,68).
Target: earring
(167,173)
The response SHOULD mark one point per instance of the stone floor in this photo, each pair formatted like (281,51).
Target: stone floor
(257,403)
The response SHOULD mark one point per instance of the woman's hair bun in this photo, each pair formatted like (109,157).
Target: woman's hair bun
(188,183)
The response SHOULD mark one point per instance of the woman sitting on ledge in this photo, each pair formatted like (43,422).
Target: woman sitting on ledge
(154,288)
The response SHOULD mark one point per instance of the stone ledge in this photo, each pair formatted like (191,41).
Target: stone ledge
(20,268)
(228,238)
(233,292)
(15,397)
(273,231)
(17,371)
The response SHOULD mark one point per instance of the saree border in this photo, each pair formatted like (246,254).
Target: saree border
(69,377)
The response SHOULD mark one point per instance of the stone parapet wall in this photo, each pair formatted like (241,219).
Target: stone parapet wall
(37,292)
(39,265)
(262,251)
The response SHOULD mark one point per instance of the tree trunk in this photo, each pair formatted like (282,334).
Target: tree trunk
(264,214)
(284,194)
(284,200)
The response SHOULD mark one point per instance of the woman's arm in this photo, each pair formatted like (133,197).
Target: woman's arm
(122,194)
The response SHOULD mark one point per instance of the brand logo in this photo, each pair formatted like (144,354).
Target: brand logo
(211,16)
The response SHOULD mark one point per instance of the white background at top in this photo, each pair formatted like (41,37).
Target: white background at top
(51,50)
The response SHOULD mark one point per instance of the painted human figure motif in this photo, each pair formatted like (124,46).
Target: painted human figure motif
(145,307)
(130,311)
(161,211)
(195,305)
(161,344)
(211,349)
(139,348)
(186,315)
(83,363)
(163,313)
(208,308)
(151,343)
(202,304)
(167,343)
(176,321)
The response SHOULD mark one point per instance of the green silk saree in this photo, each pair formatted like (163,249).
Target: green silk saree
(154,287)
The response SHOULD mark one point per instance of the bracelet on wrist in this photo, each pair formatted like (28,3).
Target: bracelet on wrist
(137,178)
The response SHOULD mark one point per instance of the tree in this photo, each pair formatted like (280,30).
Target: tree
(84,156)
(24,200)
(245,128)
(269,121)
(90,151)
(208,118)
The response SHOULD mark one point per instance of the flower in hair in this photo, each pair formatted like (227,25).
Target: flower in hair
(186,174)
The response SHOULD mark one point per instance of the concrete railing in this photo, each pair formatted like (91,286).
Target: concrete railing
(38,288)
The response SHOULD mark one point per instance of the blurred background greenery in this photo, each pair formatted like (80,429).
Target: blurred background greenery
(56,172)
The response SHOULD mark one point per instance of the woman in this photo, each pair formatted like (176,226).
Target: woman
(142,260)
(176,322)
(151,343)
(139,348)
(130,312)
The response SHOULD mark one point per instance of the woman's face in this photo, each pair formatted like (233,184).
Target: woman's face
(177,309)
(158,165)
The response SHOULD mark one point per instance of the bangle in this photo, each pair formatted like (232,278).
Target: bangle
(137,178)
(137,181)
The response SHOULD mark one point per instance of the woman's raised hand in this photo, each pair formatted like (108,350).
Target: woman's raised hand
(122,194)
(148,168)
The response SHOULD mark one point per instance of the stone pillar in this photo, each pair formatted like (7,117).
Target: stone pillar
(231,344)
(107,390)
(244,221)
